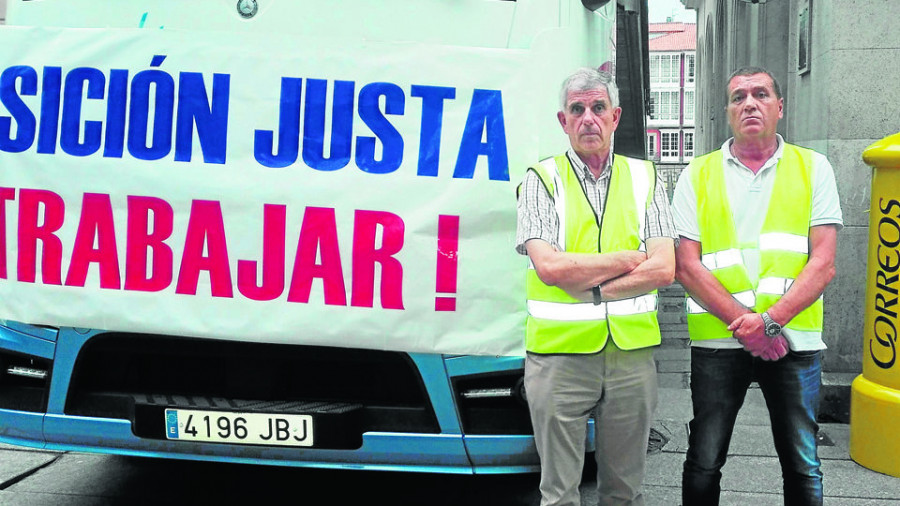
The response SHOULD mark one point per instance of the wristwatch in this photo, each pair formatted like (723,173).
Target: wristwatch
(597,297)
(772,327)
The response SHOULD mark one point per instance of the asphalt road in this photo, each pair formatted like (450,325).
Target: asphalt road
(36,478)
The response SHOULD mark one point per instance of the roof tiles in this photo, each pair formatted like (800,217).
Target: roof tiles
(673,36)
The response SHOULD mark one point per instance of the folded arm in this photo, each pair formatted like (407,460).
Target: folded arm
(621,274)
(658,270)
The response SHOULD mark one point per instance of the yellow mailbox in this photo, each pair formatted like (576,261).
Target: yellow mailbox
(875,394)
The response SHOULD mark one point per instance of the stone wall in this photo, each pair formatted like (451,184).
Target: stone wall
(840,107)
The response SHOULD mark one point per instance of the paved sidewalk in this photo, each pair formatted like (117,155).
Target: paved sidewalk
(752,475)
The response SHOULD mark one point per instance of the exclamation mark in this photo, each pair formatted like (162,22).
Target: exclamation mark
(447,257)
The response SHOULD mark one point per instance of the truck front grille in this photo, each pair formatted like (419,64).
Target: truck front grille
(119,375)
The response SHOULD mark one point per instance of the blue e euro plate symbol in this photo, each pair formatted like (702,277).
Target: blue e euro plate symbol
(172,423)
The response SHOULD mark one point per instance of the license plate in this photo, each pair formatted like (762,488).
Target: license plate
(239,428)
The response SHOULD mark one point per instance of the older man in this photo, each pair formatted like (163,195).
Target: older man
(599,233)
(758,221)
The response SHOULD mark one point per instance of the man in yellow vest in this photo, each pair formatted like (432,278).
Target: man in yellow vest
(598,231)
(758,221)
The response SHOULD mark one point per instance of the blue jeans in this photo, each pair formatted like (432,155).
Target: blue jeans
(719,382)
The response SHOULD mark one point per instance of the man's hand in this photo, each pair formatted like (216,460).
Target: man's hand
(754,342)
(749,330)
(778,348)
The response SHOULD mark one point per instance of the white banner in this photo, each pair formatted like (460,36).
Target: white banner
(355,195)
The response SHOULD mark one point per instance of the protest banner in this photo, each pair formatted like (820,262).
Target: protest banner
(156,182)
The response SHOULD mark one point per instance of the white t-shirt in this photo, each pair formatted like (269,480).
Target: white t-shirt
(750,193)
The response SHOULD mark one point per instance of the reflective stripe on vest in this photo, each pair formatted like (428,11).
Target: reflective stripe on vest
(783,242)
(584,311)
(559,323)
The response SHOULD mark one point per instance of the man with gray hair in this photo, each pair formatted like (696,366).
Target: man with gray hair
(599,233)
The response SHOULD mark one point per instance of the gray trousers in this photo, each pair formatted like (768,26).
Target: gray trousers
(620,389)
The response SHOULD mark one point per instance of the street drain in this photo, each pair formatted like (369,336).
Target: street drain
(822,439)
(657,441)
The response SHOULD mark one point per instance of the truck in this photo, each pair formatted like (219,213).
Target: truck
(116,339)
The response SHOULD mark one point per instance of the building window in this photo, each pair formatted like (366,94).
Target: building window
(689,105)
(688,145)
(804,31)
(668,146)
(651,145)
(664,68)
(665,105)
(689,68)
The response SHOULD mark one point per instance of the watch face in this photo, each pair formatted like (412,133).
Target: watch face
(770,326)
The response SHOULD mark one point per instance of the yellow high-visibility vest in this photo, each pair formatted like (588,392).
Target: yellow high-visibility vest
(559,323)
(783,241)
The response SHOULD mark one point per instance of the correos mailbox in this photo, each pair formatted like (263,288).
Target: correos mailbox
(875,395)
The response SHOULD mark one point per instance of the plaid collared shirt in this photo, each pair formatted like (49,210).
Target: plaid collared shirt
(537,217)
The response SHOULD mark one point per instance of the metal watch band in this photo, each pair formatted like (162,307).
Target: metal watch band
(771,327)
